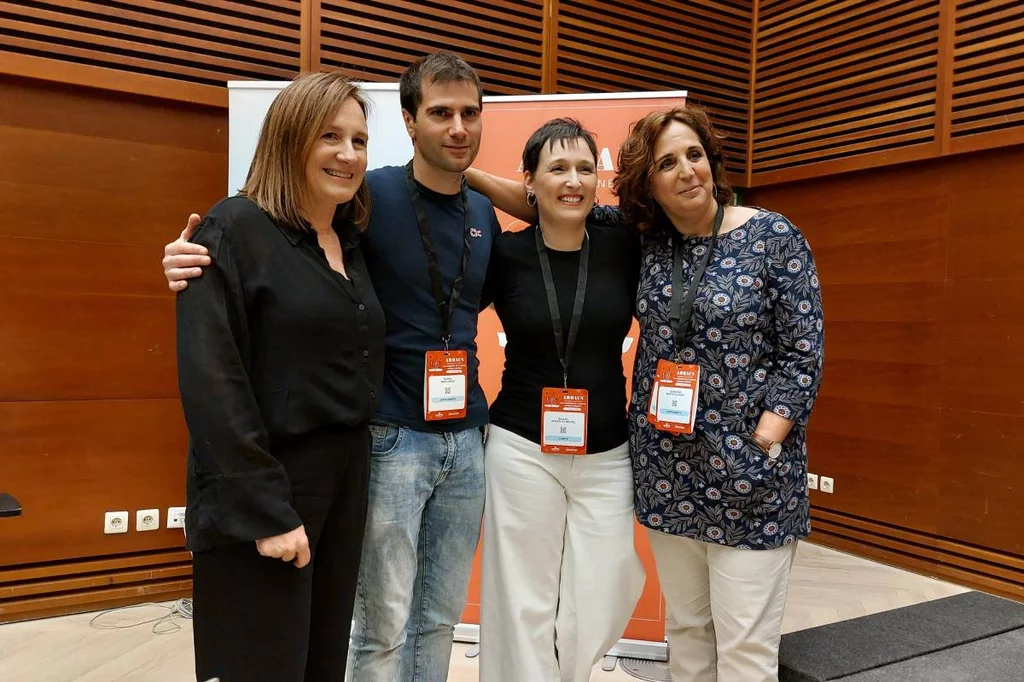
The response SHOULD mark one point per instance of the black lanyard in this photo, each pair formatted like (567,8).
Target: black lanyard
(682,308)
(445,307)
(564,348)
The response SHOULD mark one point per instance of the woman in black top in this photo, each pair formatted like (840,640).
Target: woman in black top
(560,573)
(280,357)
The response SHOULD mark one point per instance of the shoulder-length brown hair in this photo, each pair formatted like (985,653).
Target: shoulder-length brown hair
(297,116)
(632,184)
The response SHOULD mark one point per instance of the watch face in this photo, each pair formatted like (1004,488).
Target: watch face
(775,450)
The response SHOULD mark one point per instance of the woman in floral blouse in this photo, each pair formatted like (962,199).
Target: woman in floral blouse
(725,504)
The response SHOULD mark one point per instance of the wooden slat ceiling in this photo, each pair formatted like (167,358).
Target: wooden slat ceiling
(838,79)
(207,42)
(988,67)
(376,40)
(663,45)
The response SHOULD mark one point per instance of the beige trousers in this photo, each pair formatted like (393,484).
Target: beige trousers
(725,608)
(560,575)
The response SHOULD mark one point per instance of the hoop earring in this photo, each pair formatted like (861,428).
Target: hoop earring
(531,199)
(714,191)
(597,202)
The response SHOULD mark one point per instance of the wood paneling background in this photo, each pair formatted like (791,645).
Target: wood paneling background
(987,74)
(92,185)
(838,79)
(376,40)
(703,48)
(801,88)
(844,86)
(922,406)
(203,42)
(112,128)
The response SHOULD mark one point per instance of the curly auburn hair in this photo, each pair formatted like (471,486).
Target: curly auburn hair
(632,184)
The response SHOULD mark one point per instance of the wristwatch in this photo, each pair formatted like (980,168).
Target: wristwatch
(770,447)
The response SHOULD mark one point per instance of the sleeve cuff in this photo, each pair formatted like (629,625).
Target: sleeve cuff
(797,410)
(254,506)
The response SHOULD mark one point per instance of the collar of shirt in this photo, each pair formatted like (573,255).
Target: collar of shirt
(346,230)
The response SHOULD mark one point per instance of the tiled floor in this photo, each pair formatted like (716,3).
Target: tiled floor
(826,586)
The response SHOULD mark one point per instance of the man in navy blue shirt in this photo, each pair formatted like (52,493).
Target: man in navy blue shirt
(426,476)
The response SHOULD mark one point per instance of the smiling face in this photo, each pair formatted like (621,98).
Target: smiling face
(565,182)
(681,179)
(447,128)
(337,163)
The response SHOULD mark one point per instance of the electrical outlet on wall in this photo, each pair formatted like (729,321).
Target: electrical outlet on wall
(147,519)
(175,517)
(827,485)
(812,481)
(115,522)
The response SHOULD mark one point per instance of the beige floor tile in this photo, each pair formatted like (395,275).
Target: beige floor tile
(826,586)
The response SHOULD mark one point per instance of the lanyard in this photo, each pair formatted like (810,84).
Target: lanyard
(446,308)
(564,348)
(682,308)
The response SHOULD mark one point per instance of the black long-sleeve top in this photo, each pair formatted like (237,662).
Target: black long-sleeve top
(272,344)
(516,286)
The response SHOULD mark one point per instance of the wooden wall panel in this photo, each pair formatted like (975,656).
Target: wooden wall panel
(69,461)
(376,41)
(800,88)
(922,406)
(55,589)
(984,337)
(704,48)
(840,80)
(988,74)
(85,346)
(206,42)
(92,186)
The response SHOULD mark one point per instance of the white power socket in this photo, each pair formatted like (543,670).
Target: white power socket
(175,517)
(147,519)
(812,481)
(115,522)
(827,485)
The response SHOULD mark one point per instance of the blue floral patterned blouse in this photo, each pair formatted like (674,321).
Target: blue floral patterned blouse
(756,333)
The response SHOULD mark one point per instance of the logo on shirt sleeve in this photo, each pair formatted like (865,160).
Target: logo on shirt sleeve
(474,232)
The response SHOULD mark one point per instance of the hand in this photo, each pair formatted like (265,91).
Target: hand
(292,546)
(773,427)
(184,260)
(474,178)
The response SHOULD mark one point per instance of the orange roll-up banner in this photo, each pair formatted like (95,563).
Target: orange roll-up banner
(508,123)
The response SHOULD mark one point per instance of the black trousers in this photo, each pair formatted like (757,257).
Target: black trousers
(258,619)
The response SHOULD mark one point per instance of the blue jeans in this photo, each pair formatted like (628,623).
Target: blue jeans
(422,529)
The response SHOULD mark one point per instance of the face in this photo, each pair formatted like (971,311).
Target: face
(337,163)
(447,128)
(565,181)
(681,181)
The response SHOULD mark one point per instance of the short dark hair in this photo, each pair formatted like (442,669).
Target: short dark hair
(636,162)
(438,67)
(564,130)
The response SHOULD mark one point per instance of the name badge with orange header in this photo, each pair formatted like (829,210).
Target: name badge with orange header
(563,421)
(445,384)
(674,396)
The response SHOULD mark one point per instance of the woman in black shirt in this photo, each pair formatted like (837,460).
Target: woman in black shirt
(280,357)
(560,573)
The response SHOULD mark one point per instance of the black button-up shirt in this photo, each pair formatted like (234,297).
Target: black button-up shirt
(272,344)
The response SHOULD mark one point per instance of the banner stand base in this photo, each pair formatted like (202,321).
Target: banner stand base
(469,633)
